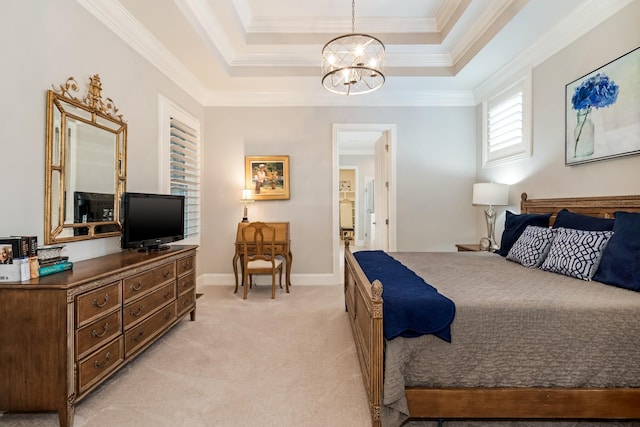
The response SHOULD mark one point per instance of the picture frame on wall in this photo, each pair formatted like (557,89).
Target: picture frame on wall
(602,112)
(345,185)
(267,177)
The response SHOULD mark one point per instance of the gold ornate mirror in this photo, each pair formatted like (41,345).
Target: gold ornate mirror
(85,164)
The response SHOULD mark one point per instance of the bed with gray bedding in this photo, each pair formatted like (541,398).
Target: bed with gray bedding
(514,327)
(528,347)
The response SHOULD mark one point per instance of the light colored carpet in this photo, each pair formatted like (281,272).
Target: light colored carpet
(256,362)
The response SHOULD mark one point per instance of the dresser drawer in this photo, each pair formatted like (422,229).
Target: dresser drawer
(93,335)
(142,308)
(186,283)
(186,302)
(94,367)
(138,285)
(186,265)
(139,335)
(96,303)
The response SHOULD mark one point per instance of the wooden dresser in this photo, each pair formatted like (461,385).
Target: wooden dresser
(63,335)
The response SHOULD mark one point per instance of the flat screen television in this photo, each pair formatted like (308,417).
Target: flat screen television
(149,221)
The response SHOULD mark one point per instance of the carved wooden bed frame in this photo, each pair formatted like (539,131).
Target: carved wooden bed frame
(363,301)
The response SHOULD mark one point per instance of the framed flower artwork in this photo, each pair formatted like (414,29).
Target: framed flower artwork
(267,177)
(602,112)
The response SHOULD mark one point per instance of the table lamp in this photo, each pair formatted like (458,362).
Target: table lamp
(246,199)
(491,194)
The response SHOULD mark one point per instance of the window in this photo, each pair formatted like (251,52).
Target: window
(180,161)
(506,125)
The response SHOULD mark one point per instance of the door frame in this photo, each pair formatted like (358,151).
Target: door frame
(390,128)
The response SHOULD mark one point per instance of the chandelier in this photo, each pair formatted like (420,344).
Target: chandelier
(353,64)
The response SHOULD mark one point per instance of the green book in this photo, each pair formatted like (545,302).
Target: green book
(55,268)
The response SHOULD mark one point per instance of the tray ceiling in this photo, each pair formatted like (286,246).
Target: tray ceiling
(267,52)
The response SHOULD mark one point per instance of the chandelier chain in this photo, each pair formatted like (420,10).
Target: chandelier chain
(353,16)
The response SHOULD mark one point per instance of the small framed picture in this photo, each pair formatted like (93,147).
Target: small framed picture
(345,185)
(267,177)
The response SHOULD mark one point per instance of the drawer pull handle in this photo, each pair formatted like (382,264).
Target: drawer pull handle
(168,295)
(99,365)
(186,284)
(186,302)
(166,274)
(136,287)
(95,302)
(186,265)
(95,333)
(168,315)
(136,313)
(138,336)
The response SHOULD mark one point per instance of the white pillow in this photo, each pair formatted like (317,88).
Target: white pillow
(532,246)
(576,253)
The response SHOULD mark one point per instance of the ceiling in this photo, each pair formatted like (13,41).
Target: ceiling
(267,52)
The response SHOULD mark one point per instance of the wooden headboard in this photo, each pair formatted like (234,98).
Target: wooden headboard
(602,207)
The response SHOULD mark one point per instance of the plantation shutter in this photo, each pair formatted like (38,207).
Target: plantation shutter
(506,125)
(185,172)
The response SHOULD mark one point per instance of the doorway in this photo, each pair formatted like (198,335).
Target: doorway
(384,183)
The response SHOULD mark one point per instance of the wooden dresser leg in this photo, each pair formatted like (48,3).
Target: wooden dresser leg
(66,414)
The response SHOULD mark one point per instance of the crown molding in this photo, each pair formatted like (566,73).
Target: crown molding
(321,98)
(117,19)
(121,23)
(590,14)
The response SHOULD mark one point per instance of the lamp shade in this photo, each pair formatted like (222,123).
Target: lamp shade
(490,193)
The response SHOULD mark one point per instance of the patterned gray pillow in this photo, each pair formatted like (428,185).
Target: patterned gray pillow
(532,246)
(576,253)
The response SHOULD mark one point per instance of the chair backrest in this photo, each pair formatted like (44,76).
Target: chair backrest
(258,242)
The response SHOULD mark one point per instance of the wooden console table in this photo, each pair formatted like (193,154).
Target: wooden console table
(63,335)
(283,247)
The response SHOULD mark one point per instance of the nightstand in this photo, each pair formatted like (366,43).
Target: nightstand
(468,247)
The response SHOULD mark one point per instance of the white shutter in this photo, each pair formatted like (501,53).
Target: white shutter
(184,171)
(506,125)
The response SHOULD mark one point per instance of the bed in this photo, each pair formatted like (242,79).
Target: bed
(571,350)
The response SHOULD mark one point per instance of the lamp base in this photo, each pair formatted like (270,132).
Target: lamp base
(245,217)
(490,216)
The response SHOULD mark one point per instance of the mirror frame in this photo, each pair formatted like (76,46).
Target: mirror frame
(103,115)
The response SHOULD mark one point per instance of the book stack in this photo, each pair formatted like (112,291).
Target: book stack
(17,254)
(50,261)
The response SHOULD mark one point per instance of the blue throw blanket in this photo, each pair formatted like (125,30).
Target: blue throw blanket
(411,307)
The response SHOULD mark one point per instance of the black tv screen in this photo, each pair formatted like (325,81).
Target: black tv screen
(151,220)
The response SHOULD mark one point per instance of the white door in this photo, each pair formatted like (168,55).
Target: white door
(381,240)
(370,219)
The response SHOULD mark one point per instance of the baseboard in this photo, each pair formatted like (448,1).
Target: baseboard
(296,279)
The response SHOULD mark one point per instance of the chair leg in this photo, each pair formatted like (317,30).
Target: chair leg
(287,284)
(246,285)
(273,285)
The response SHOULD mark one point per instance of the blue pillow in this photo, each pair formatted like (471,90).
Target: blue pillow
(515,224)
(567,219)
(620,263)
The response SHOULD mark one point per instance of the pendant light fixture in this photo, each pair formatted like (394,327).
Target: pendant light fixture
(353,64)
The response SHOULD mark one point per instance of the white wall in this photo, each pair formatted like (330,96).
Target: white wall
(544,174)
(43,44)
(435,171)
